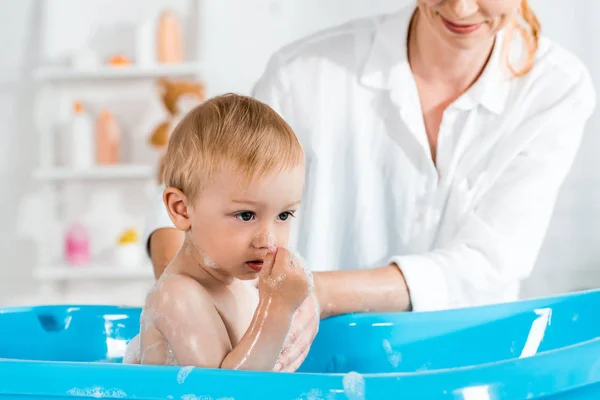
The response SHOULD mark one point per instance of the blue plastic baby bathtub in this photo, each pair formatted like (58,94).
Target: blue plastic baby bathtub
(545,348)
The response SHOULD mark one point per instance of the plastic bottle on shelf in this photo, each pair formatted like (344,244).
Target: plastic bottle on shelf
(108,139)
(77,245)
(169,38)
(144,43)
(129,250)
(81,138)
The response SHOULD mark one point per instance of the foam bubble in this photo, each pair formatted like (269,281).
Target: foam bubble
(264,239)
(207,262)
(199,256)
(97,392)
(133,351)
(149,317)
(394,357)
(354,386)
(275,282)
(194,397)
(424,367)
(314,394)
(148,348)
(183,374)
(299,262)
(171,359)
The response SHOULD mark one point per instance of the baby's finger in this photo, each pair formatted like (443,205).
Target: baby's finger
(268,262)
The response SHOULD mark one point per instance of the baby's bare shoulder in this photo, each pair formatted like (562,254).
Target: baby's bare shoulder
(177,291)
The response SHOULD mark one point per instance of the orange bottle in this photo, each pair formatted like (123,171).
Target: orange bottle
(108,139)
(169,38)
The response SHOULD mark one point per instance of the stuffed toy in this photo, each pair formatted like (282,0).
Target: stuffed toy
(178,98)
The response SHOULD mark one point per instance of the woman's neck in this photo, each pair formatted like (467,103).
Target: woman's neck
(436,61)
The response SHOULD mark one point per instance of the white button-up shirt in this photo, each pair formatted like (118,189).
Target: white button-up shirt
(464,231)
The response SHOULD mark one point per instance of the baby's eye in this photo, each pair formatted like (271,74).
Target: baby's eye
(245,216)
(285,216)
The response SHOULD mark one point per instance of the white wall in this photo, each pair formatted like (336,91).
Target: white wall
(236,39)
(18,148)
(570,259)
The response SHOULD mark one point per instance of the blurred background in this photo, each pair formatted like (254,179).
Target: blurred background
(90,88)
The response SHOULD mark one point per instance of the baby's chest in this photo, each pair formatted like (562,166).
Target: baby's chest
(237,310)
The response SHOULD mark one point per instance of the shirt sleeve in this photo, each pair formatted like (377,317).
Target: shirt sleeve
(271,88)
(501,235)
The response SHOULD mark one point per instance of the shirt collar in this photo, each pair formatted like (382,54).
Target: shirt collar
(386,67)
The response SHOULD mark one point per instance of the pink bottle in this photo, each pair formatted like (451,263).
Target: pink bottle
(77,245)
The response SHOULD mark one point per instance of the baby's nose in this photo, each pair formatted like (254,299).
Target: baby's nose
(264,239)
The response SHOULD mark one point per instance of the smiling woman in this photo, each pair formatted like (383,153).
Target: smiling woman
(465,23)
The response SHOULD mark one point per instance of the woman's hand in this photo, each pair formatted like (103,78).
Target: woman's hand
(304,328)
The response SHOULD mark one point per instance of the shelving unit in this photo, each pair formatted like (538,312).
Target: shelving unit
(123,171)
(66,74)
(61,273)
(117,87)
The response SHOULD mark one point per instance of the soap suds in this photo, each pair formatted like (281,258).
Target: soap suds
(354,386)
(264,239)
(394,357)
(183,374)
(314,394)
(299,262)
(199,256)
(194,397)
(97,392)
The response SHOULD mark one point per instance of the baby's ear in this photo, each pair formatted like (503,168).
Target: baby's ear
(177,207)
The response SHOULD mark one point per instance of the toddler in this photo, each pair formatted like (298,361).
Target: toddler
(234,175)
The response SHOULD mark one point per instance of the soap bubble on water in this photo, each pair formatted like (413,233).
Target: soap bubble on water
(354,386)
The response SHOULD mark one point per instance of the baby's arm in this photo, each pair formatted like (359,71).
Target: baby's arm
(197,336)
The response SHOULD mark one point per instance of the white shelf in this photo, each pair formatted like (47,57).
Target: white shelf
(124,171)
(118,72)
(92,272)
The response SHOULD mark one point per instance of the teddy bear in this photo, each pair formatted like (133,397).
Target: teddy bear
(178,98)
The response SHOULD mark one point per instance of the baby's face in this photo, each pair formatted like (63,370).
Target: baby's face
(234,222)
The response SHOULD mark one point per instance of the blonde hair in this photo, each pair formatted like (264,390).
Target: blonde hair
(530,30)
(228,130)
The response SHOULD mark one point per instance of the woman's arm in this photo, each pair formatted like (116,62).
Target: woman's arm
(501,233)
(360,291)
(163,245)
(161,238)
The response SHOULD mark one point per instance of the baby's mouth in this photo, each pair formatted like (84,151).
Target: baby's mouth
(255,265)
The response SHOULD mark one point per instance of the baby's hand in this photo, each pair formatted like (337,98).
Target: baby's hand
(283,280)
